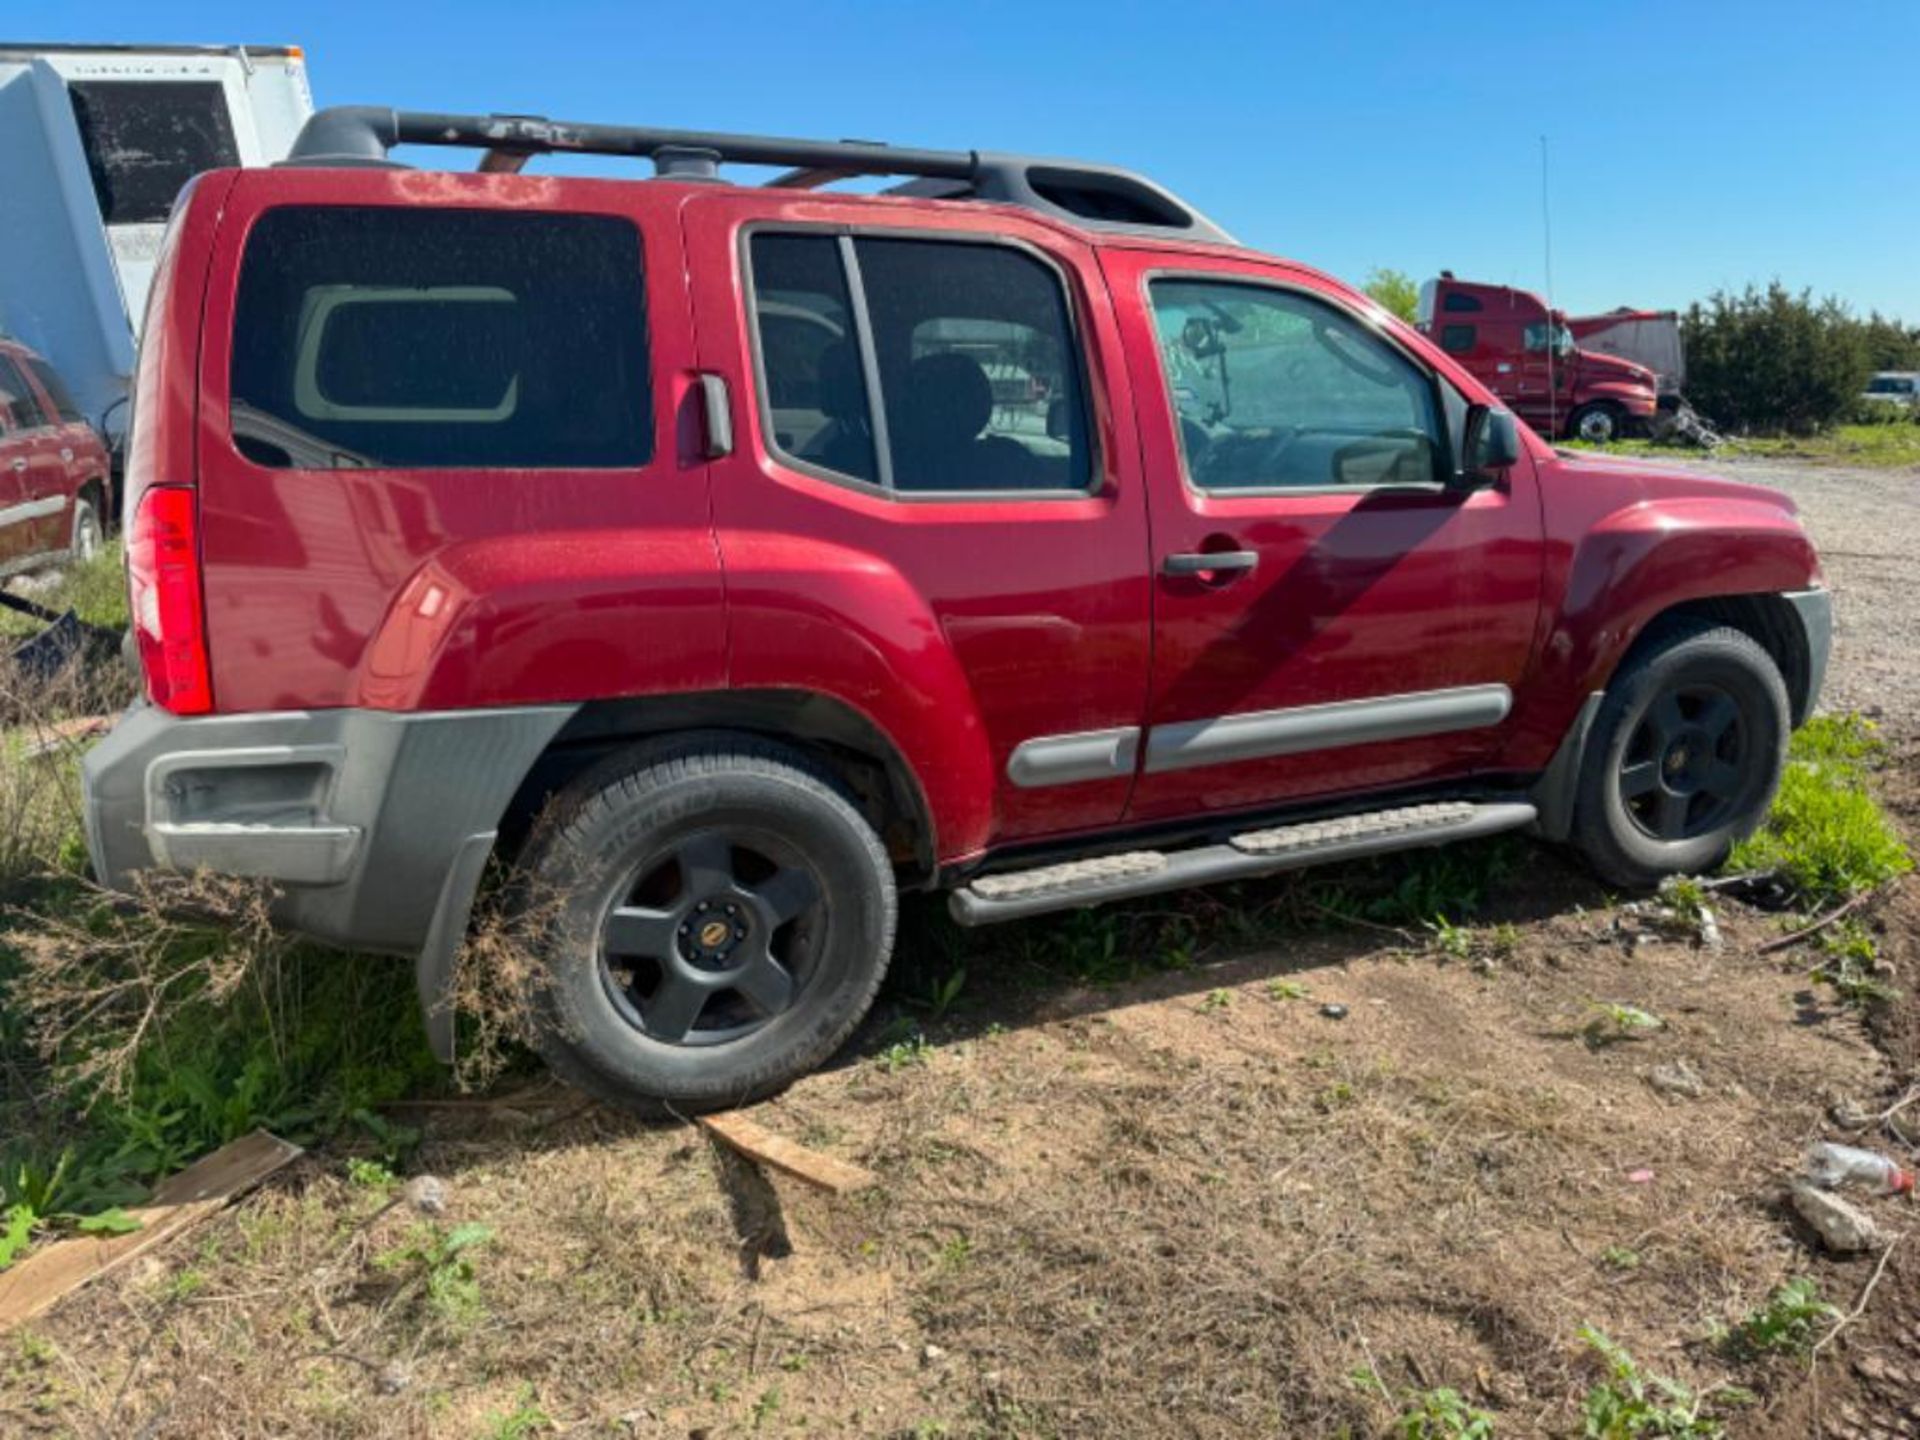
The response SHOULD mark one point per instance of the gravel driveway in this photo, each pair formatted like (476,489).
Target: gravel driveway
(1867,525)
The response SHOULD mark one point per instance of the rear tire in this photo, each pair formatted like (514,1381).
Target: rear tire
(710,919)
(1684,756)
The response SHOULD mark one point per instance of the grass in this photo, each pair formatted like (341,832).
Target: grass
(1788,1323)
(1630,1404)
(1893,446)
(1826,835)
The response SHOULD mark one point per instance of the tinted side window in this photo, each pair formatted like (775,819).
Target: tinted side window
(1459,303)
(57,391)
(809,354)
(1458,339)
(17,400)
(1273,389)
(980,386)
(441,339)
(979,372)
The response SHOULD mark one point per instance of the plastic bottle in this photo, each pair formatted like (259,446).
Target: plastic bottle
(1833,1167)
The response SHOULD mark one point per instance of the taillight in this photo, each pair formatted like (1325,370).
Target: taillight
(163,593)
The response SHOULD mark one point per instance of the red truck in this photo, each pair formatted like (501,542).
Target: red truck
(1529,357)
(670,542)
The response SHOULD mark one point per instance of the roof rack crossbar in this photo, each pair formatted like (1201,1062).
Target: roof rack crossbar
(1094,196)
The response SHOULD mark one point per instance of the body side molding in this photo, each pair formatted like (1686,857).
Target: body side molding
(1261,734)
(1068,759)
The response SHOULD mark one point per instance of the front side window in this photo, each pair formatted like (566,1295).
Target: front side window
(56,390)
(441,339)
(979,387)
(1273,390)
(1538,336)
(19,407)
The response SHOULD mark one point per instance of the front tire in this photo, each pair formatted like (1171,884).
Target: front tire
(1684,756)
(710,920)
(1597,424)
(88,536)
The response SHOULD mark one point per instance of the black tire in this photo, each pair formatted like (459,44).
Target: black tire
(1599,424)
(742,862)
(1684,756)
(88,536)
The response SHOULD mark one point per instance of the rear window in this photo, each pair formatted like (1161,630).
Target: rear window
(441,339)
(145,139)
(1457,339)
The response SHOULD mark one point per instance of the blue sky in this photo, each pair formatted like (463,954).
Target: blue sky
(1694,145)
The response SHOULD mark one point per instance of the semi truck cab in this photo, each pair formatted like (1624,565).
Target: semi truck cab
(1527,355)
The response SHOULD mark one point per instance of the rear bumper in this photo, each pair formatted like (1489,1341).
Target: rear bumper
(1814,610)
(372,826)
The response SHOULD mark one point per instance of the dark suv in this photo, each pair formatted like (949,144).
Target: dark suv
(729,558)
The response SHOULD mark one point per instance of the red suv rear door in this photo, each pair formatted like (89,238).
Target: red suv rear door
(932,511)
(1328,618)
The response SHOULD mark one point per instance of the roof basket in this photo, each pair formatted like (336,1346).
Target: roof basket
(1098,197)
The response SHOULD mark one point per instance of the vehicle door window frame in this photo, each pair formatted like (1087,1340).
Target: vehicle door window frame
(1098,478)
(1446,447)
(10,415)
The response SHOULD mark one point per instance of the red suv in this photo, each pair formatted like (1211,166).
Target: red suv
(53,468)
(728,558)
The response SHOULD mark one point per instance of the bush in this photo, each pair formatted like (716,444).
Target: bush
(1772,361)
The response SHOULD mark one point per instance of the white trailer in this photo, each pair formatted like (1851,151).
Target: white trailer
(95,143)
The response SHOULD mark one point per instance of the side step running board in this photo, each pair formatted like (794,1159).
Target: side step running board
(1080,883)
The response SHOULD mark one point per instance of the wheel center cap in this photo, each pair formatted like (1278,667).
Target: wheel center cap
(1686,762)
(711,931)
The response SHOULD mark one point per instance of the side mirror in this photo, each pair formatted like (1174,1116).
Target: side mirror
(1491,446)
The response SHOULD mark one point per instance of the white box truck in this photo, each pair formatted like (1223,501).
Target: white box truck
(95,143)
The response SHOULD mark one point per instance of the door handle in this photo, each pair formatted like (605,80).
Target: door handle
(718,415)
(1205,562)
(20,464)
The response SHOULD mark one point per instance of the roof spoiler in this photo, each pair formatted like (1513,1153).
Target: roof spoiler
(1100,197)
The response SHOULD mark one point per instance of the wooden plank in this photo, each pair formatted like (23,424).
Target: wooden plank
(179,1202)
(761,1145)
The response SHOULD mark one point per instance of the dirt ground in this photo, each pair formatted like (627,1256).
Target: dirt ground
(1187,1202)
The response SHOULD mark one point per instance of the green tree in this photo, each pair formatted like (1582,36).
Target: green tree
(1890,344)
(1774,361)
(1395,290)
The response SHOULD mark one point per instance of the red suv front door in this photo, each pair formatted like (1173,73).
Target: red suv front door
(1329,618)
(933,507)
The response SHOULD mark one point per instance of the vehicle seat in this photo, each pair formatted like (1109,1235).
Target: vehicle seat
(843,443)
(947,402)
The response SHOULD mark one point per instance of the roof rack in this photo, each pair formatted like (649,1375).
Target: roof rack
(1099,197)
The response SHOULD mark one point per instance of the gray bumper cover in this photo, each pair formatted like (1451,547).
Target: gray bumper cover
(1815,611)
(374,826)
